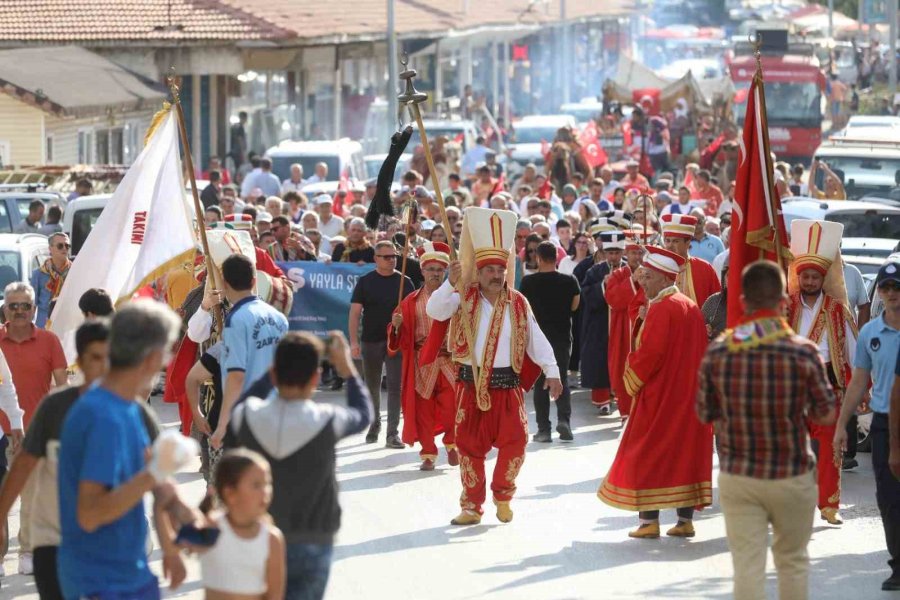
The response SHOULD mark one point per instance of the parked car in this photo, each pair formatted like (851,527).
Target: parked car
(14,205)
(879,248)
(463,131)
(344,157)
(530,133)
(860,219)
(374,162)
(868,159)
(20,254)
(583,111)
(81,216)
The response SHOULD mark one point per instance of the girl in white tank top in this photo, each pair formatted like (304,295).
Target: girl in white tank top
(248,559)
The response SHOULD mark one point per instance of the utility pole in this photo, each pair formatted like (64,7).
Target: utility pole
(892,44)
(566,55)
(831,19)
(393,85)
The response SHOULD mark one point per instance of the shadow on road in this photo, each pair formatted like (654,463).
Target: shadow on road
(403,542)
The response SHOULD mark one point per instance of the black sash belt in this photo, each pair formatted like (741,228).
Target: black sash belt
(502,378)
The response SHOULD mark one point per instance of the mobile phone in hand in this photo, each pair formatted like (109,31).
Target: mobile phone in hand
(196,536)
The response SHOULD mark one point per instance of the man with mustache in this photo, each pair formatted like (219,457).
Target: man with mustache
(428,391)
(493,328)
(818,311)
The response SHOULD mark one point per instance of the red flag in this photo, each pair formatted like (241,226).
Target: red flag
(500,185)
(545,190)
(343,186)
(545,150)
(591,149)
(459,138)
(757,223)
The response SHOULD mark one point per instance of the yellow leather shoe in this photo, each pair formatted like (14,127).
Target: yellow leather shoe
(832,516)
(504,512)
(466,517)
(682,529)
(647,531)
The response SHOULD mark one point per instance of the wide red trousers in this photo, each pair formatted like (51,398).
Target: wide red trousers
(828,466)
(439,409)
(505,427)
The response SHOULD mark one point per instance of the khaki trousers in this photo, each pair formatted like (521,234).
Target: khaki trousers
(749,506)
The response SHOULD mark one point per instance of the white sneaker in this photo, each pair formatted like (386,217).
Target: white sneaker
(26,565)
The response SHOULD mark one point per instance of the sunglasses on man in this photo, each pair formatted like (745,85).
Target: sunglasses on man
(63,246)
(20,306)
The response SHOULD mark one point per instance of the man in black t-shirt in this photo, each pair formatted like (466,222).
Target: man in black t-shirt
(553,297)
(374,299)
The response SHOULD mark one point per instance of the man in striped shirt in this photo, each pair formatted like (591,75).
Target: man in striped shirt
(758,385)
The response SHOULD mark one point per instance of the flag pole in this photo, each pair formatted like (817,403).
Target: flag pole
(760,86)
(198,207)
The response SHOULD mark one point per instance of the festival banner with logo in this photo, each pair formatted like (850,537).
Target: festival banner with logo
(322,294)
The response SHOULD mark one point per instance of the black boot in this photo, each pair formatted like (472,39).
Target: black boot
(564,431)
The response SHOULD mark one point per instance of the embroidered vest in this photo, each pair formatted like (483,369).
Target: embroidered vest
(470,310)
(828,321)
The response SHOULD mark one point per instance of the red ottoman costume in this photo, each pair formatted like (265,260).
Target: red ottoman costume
(698,280)
(429,391)
(490,402)
(665,455)
(830,325)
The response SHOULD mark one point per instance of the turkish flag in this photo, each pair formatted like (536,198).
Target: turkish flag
(545,150)
(756,213)
(591,149)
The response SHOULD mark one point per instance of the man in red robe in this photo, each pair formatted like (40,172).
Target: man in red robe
(625,298)
(665,455)
(698,281)
(493,323)
(818,311)
(428,398)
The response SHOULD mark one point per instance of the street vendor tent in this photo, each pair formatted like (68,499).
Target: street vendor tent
(700,94)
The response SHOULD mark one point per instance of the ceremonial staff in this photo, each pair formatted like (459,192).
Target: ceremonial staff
(413,98)
(410,211)
(198,207)
(643,204)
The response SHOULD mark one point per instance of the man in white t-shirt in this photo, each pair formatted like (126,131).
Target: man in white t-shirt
(329,224)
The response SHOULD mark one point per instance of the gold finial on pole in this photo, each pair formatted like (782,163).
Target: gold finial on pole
(756,41)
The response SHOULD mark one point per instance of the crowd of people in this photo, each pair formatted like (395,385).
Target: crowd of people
(508,285)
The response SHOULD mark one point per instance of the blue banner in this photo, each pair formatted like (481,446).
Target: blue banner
(322,294)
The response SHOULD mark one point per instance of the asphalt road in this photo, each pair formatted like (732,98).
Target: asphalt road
(396,541)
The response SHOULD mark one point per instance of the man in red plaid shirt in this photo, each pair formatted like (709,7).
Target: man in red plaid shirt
(759,383)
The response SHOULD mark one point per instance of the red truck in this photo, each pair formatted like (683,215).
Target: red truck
(795,88)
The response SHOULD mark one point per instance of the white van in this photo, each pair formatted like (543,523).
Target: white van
(861,219)
(343,157)
(532,132)
(868,157)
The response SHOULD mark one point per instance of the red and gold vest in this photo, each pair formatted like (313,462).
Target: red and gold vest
(828,321)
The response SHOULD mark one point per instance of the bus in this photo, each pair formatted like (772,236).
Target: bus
(795,88)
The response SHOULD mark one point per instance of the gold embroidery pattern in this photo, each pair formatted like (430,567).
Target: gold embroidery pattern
(518,310)
(512,470)
(490,350)
(465,503)
(467,472)
(460,414)
(523,416)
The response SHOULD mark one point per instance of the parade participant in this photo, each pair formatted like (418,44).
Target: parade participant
(664,459)
(48,279)
(624,296)
(759,383)
(508,347)
(428,391)
(595,321)
(698,280)
(818,311)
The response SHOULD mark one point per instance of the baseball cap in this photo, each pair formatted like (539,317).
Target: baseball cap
(323,199)
(263,217)
(889,271)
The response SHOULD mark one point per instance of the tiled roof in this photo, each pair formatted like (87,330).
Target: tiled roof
(87,21)
(324,19)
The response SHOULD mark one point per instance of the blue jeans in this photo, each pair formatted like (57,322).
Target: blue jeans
(147,592)
(308,566)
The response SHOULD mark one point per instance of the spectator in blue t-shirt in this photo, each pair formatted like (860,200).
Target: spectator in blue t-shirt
(102,471)
(704,245)
(877,349)
(252,330)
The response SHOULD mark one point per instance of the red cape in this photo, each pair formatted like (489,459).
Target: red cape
(625,300)
(706,281)
(664,459)
(404,341)
(176,373)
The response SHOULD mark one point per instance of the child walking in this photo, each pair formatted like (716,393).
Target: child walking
(248,558)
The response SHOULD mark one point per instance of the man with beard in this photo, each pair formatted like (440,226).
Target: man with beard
(665,457)
(428,391)
(625,297)
(818,311)
(698,281)
(494,326)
